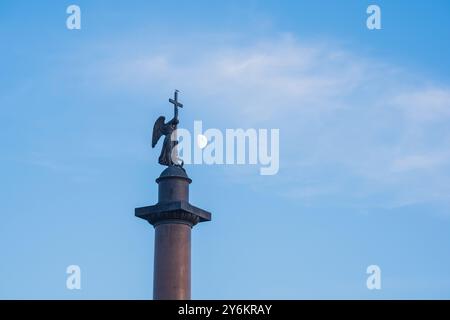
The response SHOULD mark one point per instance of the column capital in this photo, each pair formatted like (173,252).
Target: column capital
(173,212)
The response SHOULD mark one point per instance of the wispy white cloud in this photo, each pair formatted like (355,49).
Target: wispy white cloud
(419,162)
(261,79)
(427,104)
(377,122)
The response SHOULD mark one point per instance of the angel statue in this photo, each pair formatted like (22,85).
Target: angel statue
(168,155)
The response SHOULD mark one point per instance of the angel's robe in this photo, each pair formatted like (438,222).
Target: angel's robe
(167,129)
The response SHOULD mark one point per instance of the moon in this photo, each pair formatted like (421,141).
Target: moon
(202,141)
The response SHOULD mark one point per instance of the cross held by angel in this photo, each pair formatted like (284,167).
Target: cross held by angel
(168,156)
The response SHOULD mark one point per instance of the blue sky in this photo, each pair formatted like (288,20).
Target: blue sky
(364,146)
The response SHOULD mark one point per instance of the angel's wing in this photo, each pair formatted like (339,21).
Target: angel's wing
(157,133)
